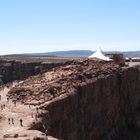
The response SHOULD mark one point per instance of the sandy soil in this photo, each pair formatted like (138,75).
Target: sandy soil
(131,64)
(17,112)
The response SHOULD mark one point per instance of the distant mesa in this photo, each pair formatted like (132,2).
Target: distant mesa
(77,53)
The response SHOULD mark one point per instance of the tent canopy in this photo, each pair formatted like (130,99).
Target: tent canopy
(98,54)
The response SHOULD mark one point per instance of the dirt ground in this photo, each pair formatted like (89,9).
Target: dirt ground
(131,64)
(11,115)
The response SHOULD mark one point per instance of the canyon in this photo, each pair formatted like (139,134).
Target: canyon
(83,100)
(19,68)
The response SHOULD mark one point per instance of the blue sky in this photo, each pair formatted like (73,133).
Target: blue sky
(53,25)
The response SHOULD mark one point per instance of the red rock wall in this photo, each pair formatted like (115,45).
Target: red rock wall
(98,109)
(14,70)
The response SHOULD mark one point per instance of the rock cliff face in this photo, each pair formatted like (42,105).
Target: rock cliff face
(14,70)
(88,101)
(100,109)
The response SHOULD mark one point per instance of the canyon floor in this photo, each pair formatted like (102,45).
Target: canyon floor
(15,111)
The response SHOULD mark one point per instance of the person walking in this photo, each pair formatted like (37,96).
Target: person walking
(36,116)
(21,122)
(9,120)
(12,120)
(1,107)
(37,109)
(7,99)
(15,103)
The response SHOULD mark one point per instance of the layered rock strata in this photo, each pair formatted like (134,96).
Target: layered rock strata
(16,70)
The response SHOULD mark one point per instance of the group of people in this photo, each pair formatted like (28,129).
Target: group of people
(3,105)
(11,120)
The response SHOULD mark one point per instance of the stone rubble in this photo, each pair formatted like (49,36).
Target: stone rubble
(44,87)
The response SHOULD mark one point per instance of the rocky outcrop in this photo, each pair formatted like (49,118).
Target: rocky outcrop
(85,100)
(63,80)
(99,109)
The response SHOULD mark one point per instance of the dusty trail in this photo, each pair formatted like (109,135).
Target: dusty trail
(20,111)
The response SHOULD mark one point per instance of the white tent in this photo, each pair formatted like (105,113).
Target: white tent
(98,54)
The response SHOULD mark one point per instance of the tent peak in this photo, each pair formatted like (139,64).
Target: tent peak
(98,54)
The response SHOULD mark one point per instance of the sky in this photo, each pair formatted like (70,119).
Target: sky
(28,26)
